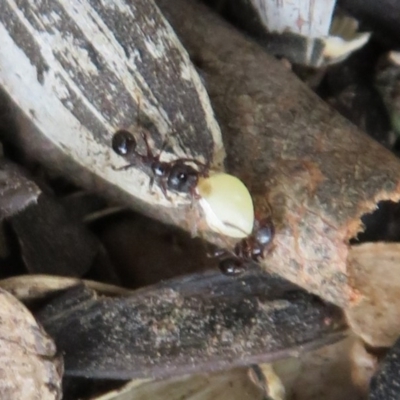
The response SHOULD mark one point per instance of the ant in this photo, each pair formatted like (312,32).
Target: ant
(251,248)
(176,175)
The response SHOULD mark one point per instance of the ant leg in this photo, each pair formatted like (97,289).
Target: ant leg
(194,196)
(206,169)
(164,191)
(151,183)
(196,215)
(162,187)
(150,154)
(194,161)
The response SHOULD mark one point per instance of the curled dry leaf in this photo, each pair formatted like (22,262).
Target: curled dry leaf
(375,274)
(30,368)
(318,172)
(195,324)
(228,385)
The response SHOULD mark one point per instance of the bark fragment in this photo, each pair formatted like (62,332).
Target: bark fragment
(318,172)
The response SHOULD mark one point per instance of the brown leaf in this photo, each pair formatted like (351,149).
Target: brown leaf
(29,366)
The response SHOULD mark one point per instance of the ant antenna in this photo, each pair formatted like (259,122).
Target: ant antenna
(145,138)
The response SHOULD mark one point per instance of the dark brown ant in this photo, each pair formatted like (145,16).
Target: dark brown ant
(251,248)
(177,175)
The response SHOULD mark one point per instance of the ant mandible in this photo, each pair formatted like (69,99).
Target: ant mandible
(251,248)
(177,175)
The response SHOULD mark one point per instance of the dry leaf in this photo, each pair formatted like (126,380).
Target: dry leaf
(317,171)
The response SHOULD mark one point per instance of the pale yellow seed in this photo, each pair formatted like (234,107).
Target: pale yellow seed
(227,205)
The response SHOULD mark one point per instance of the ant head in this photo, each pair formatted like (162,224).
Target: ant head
(123,143)
(232,266)
(183,178)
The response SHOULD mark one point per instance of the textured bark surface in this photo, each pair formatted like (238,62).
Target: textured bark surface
(190,325)
(318,172)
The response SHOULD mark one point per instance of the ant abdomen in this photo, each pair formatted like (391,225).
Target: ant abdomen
(124,143)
